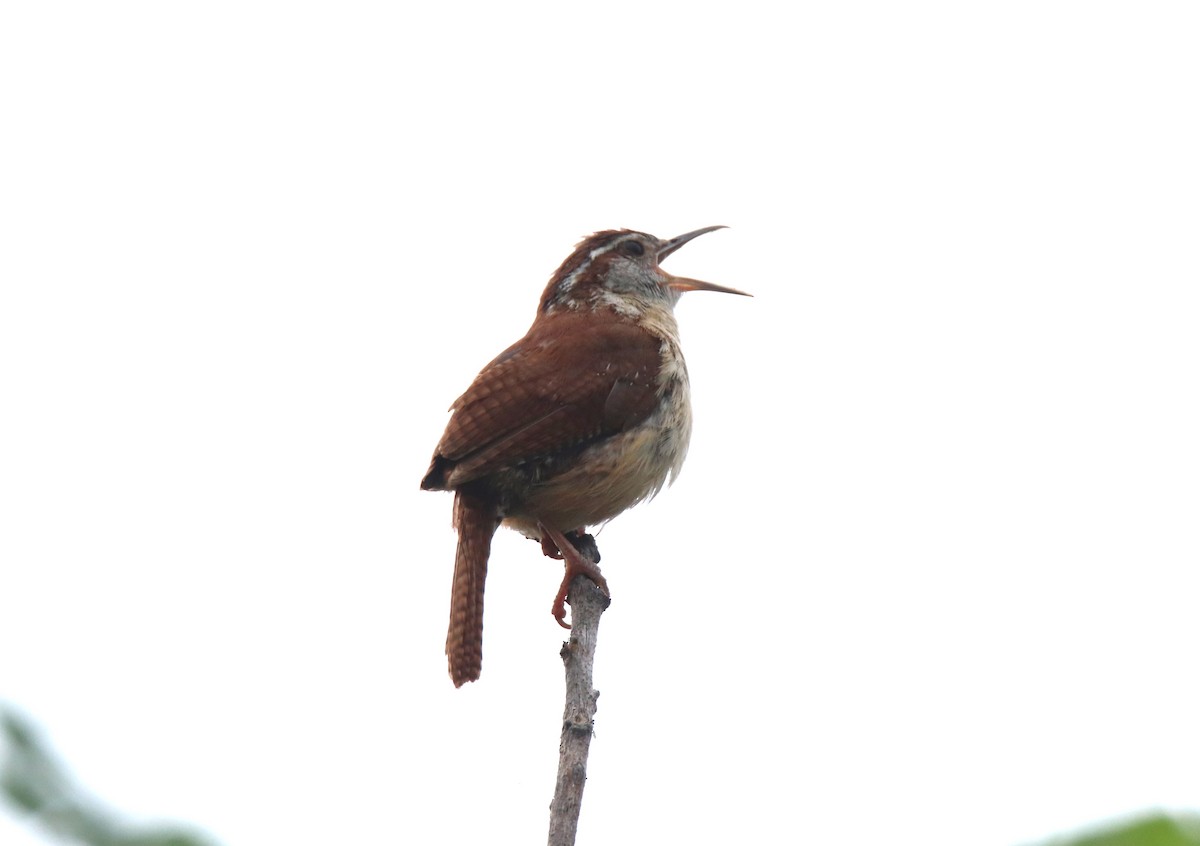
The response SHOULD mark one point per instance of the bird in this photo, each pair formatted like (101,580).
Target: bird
(584,417)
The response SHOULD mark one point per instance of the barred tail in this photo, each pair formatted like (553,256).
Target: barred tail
(476,521)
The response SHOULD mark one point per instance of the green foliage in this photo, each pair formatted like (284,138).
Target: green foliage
(36,784)
(1154,830)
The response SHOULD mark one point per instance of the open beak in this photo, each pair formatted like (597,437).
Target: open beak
(680,283)
(675,243)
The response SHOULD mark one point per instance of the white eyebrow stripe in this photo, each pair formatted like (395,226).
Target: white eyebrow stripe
(567,284)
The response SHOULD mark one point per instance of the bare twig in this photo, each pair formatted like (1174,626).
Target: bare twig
(587,604)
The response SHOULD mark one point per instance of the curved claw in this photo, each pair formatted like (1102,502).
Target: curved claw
(559,608)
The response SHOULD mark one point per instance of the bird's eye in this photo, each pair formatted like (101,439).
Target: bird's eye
(633,248)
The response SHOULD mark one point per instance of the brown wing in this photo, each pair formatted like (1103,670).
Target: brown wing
(567,382)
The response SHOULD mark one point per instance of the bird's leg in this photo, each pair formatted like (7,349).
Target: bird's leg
(548,547)
(576,565)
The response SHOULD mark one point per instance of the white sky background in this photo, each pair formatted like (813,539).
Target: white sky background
(931,567)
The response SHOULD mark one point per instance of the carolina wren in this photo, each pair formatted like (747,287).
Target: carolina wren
(584,417)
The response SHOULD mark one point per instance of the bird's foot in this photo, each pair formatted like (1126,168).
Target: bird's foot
(576,565)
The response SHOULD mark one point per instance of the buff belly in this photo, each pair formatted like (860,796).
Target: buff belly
(608,477)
